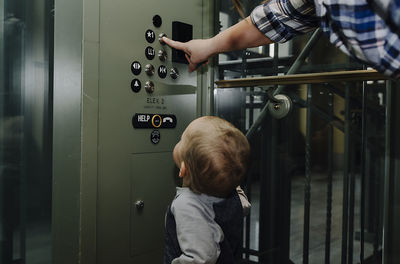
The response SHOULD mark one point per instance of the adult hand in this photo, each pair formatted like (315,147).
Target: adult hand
(197,52)
(239,36)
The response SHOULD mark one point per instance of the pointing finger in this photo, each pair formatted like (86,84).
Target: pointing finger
(174,44)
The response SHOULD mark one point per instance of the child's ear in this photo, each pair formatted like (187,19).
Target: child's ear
(182,170)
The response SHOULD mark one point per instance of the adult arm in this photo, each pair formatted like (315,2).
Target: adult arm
(274,21)
(240,36)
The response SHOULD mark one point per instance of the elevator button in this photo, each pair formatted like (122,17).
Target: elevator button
(160,36)
(156,121)
(174,73)
(162,71)
(150,36)
(150,53)
(162,55)
(136,85)
(149,87)
(136,68)
(149,69)
(157,21)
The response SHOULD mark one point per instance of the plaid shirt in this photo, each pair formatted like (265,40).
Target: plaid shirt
(351,25)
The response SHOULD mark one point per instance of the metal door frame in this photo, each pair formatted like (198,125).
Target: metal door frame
(67,134)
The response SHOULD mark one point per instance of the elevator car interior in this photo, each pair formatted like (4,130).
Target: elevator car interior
(92,103)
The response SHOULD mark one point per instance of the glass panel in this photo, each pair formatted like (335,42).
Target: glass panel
(317,176)
(25,130)
(316,181)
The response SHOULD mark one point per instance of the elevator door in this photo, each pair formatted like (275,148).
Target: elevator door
(25,131)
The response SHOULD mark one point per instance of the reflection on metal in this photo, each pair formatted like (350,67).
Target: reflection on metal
(324,77)
(14,146)
(25,132)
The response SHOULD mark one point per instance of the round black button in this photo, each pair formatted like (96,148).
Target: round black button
(150,53)
(157,21)
(155,137)
(150,36)
(136,85)
(162,71)
(136,68)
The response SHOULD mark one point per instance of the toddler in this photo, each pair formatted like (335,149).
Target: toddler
(204,221)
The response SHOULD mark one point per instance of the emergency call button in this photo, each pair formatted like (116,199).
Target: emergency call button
(156,121)
(153,121)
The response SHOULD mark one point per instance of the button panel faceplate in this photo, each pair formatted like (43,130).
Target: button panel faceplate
(150,52)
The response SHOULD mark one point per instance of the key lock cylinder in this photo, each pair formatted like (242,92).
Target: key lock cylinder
(280,105)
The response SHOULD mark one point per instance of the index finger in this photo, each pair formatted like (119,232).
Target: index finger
(174,44)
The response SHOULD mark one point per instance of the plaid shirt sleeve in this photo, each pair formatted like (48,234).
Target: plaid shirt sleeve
(389,11)
(281,20)
(356,29)
(367,30)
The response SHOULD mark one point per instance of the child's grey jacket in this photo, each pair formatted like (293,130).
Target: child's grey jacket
(203,229)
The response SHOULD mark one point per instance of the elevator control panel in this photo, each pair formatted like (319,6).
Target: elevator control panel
(160,63)
(147,97)
(156,54)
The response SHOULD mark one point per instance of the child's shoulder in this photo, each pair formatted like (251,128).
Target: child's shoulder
(186,198)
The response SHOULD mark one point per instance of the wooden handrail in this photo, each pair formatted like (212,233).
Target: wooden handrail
(305,78)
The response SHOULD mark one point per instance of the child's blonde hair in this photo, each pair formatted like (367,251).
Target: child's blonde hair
(217,157)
